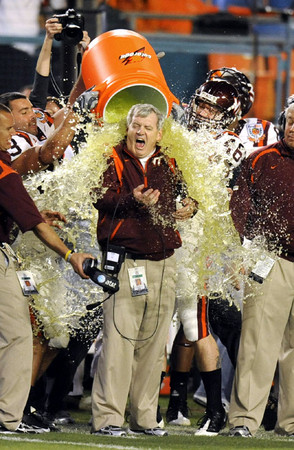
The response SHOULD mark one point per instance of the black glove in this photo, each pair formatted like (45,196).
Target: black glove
(86,101)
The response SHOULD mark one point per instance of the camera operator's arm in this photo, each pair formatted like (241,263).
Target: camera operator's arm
(83,44)
(43,64)
(79,86)
(48,236)
(39,93)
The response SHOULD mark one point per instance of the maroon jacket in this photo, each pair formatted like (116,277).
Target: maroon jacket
(16,206)
(123,221)
(264,202)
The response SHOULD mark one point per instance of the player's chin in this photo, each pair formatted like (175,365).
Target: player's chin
(33,128)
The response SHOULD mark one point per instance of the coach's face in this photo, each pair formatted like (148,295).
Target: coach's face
(142,135)
(289,127)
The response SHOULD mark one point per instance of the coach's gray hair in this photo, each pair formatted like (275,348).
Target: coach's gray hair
(143,110)
(290,106)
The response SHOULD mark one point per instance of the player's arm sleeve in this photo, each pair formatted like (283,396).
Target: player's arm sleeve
(19,144)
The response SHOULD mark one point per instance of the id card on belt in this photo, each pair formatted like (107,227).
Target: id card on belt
(138,281)
(262,268)
(27,282)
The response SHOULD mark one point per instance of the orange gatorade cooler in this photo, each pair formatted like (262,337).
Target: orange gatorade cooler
(124,68)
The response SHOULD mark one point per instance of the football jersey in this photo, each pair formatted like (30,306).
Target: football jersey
(233,148)
(255,133)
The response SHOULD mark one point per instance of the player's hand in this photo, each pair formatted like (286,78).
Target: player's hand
(87,101)
(178,114)
(53,217)
(83,44)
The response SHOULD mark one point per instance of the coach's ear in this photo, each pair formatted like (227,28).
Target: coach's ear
(159,136)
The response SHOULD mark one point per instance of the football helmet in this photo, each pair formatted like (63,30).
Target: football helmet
(240,82)
(215,104)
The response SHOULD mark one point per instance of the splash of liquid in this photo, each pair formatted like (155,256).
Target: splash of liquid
(211,234)
(63,296)
(119,106)
(209,239)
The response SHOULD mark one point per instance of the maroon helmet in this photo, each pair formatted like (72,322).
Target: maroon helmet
(225,105)
(240,81)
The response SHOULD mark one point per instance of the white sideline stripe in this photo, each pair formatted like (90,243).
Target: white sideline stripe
(85,444)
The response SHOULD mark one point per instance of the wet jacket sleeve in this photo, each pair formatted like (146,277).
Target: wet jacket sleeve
(241,203)
(16,202)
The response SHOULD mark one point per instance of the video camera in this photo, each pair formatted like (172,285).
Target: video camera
(73,26)
(109,283)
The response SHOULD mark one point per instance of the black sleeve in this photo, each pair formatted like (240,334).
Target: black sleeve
(236,173)
(39,93)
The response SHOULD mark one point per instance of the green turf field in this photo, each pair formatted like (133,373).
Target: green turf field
(78,437)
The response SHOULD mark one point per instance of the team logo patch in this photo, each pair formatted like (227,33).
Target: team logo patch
(255,132)
(40,115)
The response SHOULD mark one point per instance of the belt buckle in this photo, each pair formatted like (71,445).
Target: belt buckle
(9,251)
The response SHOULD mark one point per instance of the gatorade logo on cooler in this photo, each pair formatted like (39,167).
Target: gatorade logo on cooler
(135,56)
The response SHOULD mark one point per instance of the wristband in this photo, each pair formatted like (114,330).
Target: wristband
(68,254)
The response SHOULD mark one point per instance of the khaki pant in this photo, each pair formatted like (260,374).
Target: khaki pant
(135,332)
(16,349)
(267,336)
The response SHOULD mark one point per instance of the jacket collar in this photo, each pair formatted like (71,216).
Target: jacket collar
(286,150)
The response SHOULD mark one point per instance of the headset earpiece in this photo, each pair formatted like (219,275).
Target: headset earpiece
(282,121)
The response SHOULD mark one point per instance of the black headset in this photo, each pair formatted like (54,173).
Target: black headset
(281,123)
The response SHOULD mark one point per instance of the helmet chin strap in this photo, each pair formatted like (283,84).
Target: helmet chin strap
(206,124)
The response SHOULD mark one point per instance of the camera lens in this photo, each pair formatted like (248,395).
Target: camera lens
(73,34)
(101,278)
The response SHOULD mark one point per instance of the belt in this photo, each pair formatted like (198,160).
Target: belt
(129,255)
